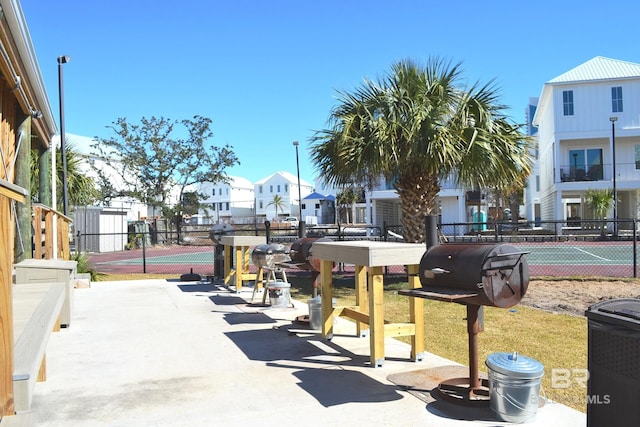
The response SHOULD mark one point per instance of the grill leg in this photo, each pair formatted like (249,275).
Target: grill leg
(472,390)
(473,328)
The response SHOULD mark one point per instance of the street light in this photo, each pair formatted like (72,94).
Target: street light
(295,143)
(613,120)
(65,196)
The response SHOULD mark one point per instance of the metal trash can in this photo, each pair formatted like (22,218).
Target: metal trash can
(315,313)
(613,387)
(279,294)
(514,386)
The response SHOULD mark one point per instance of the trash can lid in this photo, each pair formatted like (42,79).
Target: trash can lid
(514,364)
(622,309)
(278,285)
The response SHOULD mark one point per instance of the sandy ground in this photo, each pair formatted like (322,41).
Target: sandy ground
(574,297)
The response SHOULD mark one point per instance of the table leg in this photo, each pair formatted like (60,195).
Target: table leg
(246,256)
(239,264)
(227,264)
(376,316)
(361,298)
(416,315)
(326,280)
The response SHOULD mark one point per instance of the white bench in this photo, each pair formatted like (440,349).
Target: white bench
(36,313)
(50,271)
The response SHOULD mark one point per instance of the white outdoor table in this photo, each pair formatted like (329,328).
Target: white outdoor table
(369,258)
(241,246)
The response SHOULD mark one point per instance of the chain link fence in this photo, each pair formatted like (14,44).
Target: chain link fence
(571,248)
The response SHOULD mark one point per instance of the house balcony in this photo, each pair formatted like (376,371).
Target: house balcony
(625,171)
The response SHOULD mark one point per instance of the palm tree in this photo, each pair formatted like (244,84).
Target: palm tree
(81,188)
(278,203)
(417,126)
(600,201)
(346,200)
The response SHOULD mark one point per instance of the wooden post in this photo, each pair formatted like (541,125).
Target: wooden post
(326,294)
(6,310)
(8,192)
(416,315)
(22,245)
(376,316)
(362,300)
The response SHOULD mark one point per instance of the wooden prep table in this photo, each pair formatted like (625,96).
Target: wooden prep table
(369,258)
(241,246)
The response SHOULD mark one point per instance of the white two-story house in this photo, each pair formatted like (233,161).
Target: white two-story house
(588,123)
(226,203)
(284,185)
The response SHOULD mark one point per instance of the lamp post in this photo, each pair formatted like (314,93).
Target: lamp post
(295,144)
(613,120)
(65,196)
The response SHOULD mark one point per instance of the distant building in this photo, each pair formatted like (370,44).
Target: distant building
(577,116)
(285,185)
(532,188)
(383,204)
(232,202)
(319,208)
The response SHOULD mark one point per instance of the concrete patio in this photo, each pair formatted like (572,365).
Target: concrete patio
(170,353)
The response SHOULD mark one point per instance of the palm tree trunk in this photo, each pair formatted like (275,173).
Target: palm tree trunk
(418,194)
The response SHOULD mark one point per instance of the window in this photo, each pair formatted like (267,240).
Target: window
(317,205)
(304,206)
(260,204)
(227,191)
(286,188)
(586,164)
(278,188)
(271,189)
(219,206)
(616,99)
(567,102)
(227,206)
(219,191)
(260,189)
(637,151)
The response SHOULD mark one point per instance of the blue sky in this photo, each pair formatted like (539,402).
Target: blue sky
(267,72)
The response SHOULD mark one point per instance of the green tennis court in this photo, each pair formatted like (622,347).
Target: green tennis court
(570,254)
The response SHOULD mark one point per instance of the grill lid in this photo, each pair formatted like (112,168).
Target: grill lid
(269,255)
(491,274)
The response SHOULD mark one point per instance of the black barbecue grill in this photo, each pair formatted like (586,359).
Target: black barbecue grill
(302,258)
(270,255)
(483,274)
(215,234)
(474,275)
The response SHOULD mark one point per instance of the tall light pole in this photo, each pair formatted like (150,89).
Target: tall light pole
(65,196)
(295,143)
(613,120)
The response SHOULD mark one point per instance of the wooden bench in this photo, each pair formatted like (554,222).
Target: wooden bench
(36,313)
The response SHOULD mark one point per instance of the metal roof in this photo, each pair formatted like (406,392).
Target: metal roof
(599,68)
(317,196)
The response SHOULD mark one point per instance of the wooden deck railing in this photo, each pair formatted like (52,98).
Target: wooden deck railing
(44,219)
